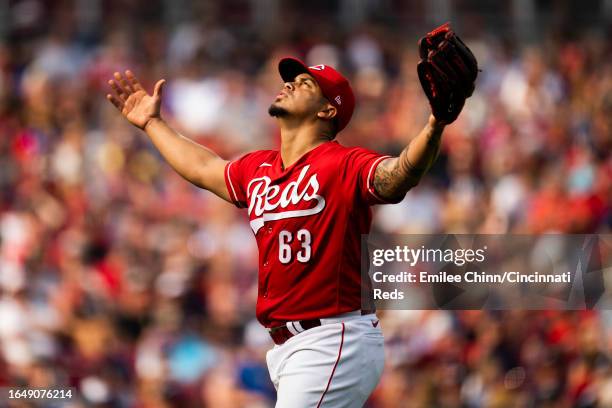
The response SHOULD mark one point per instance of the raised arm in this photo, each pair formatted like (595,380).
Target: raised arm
(447,72)
(395,176)
(194,162)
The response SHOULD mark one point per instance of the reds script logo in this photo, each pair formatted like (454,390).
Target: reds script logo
(264,199)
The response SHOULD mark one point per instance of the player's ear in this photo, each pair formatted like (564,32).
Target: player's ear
(328,112)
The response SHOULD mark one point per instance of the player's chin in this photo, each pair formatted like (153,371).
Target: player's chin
(277,111)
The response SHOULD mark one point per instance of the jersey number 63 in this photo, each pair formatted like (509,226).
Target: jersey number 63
(284,249)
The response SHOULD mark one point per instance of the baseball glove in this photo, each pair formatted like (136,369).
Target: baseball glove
(447,71)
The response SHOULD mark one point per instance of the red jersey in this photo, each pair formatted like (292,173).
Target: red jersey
(308,220)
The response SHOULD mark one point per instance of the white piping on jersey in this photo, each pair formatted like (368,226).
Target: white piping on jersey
(370,190)
(230,181)
(264,164)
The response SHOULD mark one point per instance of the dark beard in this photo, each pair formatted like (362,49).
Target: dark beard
(277,112)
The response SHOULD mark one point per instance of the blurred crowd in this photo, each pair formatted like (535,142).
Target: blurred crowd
(120,279)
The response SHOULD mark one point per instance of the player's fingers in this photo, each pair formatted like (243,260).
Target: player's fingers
(123,83)
(133,81)
(159,87)
(118,104)
(121,95)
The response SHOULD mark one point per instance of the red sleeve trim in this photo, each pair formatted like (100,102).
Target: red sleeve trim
(230,186)
(370,181)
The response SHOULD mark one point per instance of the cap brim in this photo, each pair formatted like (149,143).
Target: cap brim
(289,68)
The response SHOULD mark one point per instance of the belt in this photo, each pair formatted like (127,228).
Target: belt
(280,334)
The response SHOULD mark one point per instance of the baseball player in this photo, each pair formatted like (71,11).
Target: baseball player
(308,205)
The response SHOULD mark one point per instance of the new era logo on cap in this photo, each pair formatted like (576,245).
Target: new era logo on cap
(334,86)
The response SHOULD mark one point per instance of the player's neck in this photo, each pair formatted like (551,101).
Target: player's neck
(297,141)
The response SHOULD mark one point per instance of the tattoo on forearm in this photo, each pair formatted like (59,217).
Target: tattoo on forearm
(395,176)
(387,179)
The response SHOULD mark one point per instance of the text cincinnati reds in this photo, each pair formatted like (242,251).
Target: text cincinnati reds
(472,277)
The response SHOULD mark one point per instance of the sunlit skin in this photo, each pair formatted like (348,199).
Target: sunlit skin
(305,118)
(303,99)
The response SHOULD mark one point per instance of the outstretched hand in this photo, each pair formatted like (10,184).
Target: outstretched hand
(133,101)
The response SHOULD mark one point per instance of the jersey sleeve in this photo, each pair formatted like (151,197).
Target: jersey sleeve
(361,167)
(236,171)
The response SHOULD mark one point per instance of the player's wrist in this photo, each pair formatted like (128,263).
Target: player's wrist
(152,122)
(436,123)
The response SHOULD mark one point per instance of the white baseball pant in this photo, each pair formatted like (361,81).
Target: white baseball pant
(335,365)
